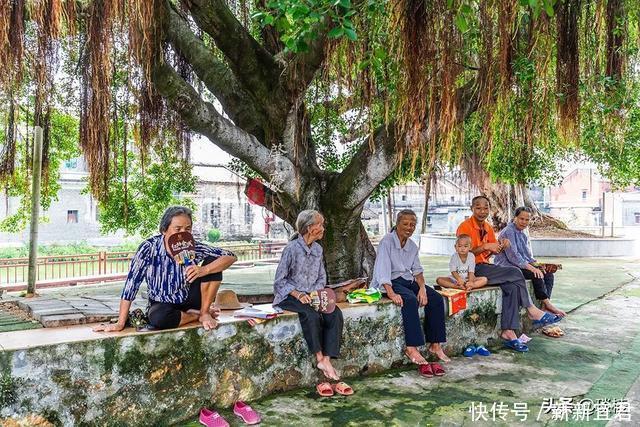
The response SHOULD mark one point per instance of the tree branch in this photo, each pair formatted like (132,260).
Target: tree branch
(254,67)
(369,168)
(215,75)
(202,117)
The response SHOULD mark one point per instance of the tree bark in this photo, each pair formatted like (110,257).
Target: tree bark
(427,193)
(262,89)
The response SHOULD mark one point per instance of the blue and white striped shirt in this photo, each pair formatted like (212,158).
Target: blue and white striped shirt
(165,279)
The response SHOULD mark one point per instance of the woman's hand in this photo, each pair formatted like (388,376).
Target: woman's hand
(397,299)
(493,247)
(194,271)
(108,327)
(537,273)
(422,296)
(304,298)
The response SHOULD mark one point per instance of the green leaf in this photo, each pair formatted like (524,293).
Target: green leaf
(336,32)
(345,3)
(461,23)
(351,34)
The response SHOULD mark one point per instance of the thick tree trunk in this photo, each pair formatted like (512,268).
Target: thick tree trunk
(348,252)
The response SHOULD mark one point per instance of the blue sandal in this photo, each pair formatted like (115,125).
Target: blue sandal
(546,319)
(516,345)
(482,351)
(469,351)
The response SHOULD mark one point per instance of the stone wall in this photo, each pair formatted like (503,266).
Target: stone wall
(166,377)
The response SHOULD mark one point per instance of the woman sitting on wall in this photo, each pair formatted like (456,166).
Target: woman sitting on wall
(177,295)
(518,254)
(398,272)
(300,272)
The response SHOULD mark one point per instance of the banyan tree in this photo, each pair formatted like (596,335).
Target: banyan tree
(324,100)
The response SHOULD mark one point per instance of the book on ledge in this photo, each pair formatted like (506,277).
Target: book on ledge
(260,311)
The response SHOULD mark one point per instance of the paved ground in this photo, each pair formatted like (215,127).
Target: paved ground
(596,362)
(580,281)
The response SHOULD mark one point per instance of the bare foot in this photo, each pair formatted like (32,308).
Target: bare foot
(414,355)
(193,311)
(436,349)
(554,310)
(327,370)
(508,334)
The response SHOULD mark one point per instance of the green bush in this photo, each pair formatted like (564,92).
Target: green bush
(213,235)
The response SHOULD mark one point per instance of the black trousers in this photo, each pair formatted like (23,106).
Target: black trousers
(542,288)
(434,329)
(322,332)
(164,315)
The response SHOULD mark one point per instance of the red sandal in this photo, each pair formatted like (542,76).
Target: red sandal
(437,369)
(425,370)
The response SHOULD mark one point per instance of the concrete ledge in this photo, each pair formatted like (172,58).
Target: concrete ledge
(77,376)
(440,244)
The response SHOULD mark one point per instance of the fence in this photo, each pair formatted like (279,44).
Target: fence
(107,264)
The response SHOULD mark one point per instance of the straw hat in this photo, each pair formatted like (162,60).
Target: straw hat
(226,299)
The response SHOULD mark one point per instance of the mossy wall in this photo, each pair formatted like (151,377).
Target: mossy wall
(164,378)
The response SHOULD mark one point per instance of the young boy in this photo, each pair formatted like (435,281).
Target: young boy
(510,279)
(462,267)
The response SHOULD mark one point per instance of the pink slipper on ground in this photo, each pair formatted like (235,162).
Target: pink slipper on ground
(212,418)
(246,412)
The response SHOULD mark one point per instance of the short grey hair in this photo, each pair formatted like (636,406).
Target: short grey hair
(172,212)
(405,212)
(306,219)
(523,209)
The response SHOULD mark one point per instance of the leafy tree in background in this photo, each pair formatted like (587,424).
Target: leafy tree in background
(325,100)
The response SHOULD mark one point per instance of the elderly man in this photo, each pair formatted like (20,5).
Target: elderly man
(177,295)
(398,272)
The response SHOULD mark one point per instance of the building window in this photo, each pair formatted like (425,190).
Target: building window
(72,217)
(584,194)
(247,214)
(453,198)
(637,215)
(214,214)
(403,197)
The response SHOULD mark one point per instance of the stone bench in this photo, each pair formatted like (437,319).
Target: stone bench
(73,375)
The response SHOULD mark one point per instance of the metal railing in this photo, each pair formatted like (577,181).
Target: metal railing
(100,264)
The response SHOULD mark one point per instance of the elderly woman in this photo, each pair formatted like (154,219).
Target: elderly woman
(177,295)
(301,271)
(518,254)
(398,272)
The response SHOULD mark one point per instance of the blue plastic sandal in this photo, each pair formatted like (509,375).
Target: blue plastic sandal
(546,319)
(482,351)
(469,351)
(516,345)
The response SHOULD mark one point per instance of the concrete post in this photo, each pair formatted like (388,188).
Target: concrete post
(35,212)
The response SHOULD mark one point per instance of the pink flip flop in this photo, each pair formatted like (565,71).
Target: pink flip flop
(212,419)
(246,412)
